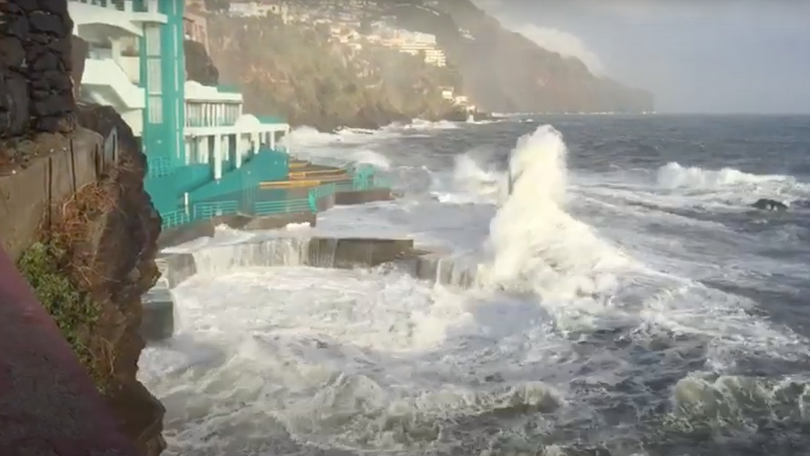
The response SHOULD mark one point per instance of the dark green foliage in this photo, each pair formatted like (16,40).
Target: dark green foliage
(75,313)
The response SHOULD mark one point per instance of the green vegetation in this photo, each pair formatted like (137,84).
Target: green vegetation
(44,267)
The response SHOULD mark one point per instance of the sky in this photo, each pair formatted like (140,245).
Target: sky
(711,56)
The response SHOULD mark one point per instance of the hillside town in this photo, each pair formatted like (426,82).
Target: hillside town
(348,24)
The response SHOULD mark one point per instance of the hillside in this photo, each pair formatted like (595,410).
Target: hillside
(505,71)
(296,72)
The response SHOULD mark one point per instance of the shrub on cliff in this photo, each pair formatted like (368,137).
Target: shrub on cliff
(75,313)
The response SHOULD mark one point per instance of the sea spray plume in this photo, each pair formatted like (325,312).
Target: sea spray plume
(534,245)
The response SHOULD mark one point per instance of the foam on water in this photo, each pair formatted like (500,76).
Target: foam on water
(350,363)
(561,332)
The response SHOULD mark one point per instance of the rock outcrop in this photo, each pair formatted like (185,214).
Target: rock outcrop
(199,66)
(118,242)
(36,92)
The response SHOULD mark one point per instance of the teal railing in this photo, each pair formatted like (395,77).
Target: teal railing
(159,166)
(211,209)
(364,178)
(289,206)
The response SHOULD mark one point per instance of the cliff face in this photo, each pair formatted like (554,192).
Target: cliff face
(505,71)
(94,260)
(296,72)
(112,259)
(96,250)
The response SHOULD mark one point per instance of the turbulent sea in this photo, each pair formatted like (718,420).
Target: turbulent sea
(626,300)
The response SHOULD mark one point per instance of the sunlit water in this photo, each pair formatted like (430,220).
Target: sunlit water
(627,301)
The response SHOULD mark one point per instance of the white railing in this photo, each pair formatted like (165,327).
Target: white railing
(149,12)
(151,6)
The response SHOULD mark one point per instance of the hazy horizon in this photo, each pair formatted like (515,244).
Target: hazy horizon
(725,57)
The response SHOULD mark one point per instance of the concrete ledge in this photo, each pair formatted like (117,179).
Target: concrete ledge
(326,252)
(363,196)
(206,228)
(158,322)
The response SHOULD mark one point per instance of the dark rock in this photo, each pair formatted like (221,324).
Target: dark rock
(16,26)
(10,9)
(46,61)
(57,8)
(46,23)
(199,66)
(62,48)
(35,46)
(29,6)
(12,53)
(770,205)
(15,102)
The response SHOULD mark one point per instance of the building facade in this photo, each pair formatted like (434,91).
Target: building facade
(136,64)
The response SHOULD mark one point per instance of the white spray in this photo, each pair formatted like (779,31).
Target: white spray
(534,244)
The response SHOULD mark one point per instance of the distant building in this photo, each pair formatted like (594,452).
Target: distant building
(413,43)
(260,9)
(447,92)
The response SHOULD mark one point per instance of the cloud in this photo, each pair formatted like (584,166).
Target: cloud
(563,43)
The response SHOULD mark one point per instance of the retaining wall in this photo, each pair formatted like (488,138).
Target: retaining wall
(47,181)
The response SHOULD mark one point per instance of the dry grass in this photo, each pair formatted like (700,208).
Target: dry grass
(64,273)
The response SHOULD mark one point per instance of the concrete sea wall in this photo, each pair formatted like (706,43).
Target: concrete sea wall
(46,181)
(158,319)
(432,266)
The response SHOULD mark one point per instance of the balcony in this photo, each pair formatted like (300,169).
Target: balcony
(91,16)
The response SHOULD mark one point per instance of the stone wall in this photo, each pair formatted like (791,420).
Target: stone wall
(36,91)
(47,181)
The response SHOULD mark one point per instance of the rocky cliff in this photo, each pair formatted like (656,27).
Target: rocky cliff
(303,76)
(94,258)
(505,71)
(120,245)
(297,72)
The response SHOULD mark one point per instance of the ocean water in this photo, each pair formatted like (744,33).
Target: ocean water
(627,301)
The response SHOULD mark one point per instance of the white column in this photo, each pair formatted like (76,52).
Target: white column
(203,148)
(115,49)
(188,145)
(239,151)
(218,157)
(272,135)
(254,138)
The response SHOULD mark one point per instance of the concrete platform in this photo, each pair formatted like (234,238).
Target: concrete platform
(157,321)
(342,253)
